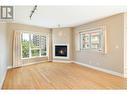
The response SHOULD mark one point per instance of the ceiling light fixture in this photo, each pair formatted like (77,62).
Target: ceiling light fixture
(32,12)
(60,33)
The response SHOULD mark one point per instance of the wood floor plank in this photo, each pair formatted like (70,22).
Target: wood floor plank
(51,75)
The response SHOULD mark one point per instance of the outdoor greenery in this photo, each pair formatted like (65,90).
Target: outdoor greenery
(43,52)
(35,51)
(25,48)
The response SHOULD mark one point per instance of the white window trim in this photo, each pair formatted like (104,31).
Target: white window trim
(102,29)
(47,40)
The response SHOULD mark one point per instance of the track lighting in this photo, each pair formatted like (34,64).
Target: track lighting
(32,12)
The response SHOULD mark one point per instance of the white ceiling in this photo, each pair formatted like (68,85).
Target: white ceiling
(66,16)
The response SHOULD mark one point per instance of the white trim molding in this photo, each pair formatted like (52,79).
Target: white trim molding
(63,61)
(100,69)
(102,40)
(125,75)
(27,64)
(9,67)
(3,78)
(59,57)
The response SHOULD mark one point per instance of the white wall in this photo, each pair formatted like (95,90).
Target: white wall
(3,52)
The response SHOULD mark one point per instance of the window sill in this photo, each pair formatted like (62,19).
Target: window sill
(34,57)
(92,50)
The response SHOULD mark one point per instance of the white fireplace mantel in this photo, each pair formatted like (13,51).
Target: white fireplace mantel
(59,57)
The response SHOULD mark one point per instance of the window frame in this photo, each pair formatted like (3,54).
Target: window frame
(102,40)
(30,54)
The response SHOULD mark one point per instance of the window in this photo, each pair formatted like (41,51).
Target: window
(33,45)
(91,40)
(96,40)
(25,45)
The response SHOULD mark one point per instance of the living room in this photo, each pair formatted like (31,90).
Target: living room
(41,49)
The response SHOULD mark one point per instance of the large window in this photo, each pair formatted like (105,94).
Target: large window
(91,40)
(33,45)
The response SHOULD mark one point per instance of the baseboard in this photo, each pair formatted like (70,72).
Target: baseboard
(86,65)
(100,69)
(63,61)
(125,75)
(34,63)
(10,67)
(3,78)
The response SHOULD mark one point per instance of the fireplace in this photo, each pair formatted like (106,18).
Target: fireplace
(61,51)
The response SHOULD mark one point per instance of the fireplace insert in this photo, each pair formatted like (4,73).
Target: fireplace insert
(61,50)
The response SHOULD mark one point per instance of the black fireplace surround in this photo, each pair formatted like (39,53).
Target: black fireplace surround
(61,50)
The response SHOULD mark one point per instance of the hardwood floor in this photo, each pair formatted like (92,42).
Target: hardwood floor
(50,75)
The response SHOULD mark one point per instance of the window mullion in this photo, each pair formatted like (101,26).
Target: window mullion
(93,40)
(40,52)
(40,44)
(90,40)
(29,45)
(81,38)
(21,43)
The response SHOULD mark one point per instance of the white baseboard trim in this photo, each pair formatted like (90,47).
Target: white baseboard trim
(9,67)
(34,63)
(101,69)
(125,75)
(63,61)
(86,65)
(27,64)
(3,78)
